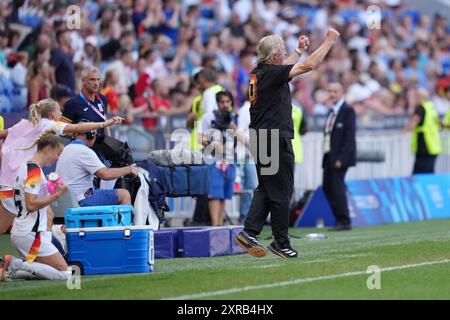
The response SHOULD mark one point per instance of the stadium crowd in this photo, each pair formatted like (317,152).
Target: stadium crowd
(147,51)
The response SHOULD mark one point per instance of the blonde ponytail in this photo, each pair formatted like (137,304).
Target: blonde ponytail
(42,109)
(33,116)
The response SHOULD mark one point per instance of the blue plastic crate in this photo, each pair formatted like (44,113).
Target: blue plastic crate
(206,242)
(111,250)
(234,247)
(166,244)
(196,242)
(99,216)
(169,242)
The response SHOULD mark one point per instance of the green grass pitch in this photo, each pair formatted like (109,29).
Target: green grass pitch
(414,262)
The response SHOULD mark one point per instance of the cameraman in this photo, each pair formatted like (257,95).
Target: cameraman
(217,133)
(77,166)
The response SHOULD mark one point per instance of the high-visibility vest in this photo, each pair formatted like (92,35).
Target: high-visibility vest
(297,145)
(197,108)
(2,124)
(430,129)
(447,118)
(446,141)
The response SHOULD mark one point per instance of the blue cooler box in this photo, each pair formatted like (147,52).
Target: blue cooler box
(111,250)
(99,216)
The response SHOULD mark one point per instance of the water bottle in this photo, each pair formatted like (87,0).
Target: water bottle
(316,236)
(52,183)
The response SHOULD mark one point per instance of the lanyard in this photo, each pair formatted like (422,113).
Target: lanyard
(90,104)
(330,122)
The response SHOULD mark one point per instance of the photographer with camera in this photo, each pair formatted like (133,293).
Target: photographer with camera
(217,132)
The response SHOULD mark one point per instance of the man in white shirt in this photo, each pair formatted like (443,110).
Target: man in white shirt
(77,166)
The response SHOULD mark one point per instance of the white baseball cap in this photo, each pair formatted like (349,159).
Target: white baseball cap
(92,40)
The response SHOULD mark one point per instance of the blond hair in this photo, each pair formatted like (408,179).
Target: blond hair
(46,138)
(267,46)
(42,109)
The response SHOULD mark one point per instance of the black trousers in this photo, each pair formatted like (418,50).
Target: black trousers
(201,212)
(424,164)
(273,194)
(335,190)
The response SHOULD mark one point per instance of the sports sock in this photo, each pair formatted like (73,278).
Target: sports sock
(45,272)
(22,274)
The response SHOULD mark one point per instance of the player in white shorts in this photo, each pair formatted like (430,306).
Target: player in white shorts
(29,234)
(42,116)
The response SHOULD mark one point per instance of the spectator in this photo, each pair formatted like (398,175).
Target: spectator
(321,97)
(61,60)
(3,49)
(240,75)
(90,56)
(123,66)
(159,104)
(19,79)
(109,90)
(169,25)
(61,94)
(39,84)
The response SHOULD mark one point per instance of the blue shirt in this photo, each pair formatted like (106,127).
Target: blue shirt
(64,68)
(77,109)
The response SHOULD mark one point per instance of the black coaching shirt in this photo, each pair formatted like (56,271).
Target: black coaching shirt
(270,99)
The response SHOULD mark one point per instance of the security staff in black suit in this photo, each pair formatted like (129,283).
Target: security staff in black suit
(339,154)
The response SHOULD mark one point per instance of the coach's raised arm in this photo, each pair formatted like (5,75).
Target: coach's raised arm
(316,57)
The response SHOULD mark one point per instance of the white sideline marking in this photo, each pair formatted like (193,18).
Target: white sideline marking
(266,266)
(298,281)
